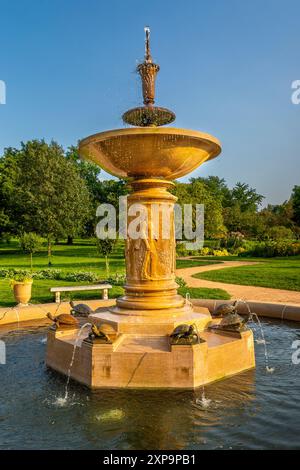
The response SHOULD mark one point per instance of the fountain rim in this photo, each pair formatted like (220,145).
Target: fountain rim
(197,135)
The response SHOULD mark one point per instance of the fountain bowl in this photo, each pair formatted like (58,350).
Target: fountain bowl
(149,151)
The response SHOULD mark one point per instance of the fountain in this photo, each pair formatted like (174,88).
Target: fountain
(142,352)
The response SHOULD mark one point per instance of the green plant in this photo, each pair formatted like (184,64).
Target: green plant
(222,252)
(23,276)
(181,251)
(270,249)
(104,248)
(51,274)
(279,232)
(205,251)
(30,243)
(180,281)
(117,279)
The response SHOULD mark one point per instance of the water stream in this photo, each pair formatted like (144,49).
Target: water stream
(203,401)
(63,400)
(263,339)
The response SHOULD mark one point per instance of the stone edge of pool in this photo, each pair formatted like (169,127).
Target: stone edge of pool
(35,312)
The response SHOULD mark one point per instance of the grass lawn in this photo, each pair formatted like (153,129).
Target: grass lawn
(277,273)
(81,256)
(191,263)
(41,294)
(204,293)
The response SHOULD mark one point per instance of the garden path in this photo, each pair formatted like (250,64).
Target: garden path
(236,291)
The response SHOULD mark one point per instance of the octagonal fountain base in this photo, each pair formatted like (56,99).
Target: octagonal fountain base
(137,359)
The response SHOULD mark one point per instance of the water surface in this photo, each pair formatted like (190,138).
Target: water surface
(253,410)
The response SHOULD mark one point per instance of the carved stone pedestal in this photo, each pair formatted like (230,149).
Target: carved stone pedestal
(149,360)
(142,355)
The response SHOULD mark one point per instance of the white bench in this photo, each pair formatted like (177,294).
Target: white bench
(103,287)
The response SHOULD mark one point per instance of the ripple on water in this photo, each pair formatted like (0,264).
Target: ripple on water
(252,410)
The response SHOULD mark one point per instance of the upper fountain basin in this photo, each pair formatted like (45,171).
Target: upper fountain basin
(149,151)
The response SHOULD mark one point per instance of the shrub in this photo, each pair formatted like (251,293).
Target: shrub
(279,232)
(222,252)
(117,279)
(273,248)
(20,276)
(181,251)
(180,281)
(30,243)
(205,251)
(76,276)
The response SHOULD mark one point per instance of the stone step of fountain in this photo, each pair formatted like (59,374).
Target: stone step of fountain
(144,344)
(214,340)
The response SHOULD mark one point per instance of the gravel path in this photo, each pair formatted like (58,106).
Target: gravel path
(265,294)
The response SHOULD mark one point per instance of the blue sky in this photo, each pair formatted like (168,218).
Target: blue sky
(226,68)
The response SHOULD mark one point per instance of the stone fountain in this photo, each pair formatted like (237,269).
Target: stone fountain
(137,348)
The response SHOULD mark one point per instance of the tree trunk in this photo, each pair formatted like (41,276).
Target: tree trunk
(49,252)
(70,240)
(107,266)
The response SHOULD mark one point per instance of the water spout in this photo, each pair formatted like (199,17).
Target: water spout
(61,401)
(262,340)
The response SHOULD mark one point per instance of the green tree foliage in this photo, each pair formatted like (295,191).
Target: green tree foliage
(216,186)
(104,248)
(246,198)
(106,191)
(279,232)
(30,243)
(196,192)
(296,204)
(44,192)
(280,214)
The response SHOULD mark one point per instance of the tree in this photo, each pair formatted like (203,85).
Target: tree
(245,197)
(45,192)
(8,174)
(196,192)
(296,204)
(216,186)
(279,232)
(30,243)
(104,248)
(106,191)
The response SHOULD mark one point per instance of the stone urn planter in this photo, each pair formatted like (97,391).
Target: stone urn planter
(22,291)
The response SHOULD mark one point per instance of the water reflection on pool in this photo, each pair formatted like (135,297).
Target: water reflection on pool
(251,410)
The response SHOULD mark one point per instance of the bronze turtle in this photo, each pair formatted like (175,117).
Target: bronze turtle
(225,309)
(64,320)
(82,310)
(233,322)
(98,335)
(185,334)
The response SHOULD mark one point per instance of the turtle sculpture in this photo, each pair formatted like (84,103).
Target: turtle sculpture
(104,333)
(81,310)
(225,309)
(185,334)
(233,322)
(64,320)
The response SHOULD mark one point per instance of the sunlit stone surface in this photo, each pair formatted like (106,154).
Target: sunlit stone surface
(142,354)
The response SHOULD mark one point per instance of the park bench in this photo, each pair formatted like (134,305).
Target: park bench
(102,287)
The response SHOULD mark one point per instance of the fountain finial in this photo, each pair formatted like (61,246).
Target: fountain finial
(148,57)
(149,115)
